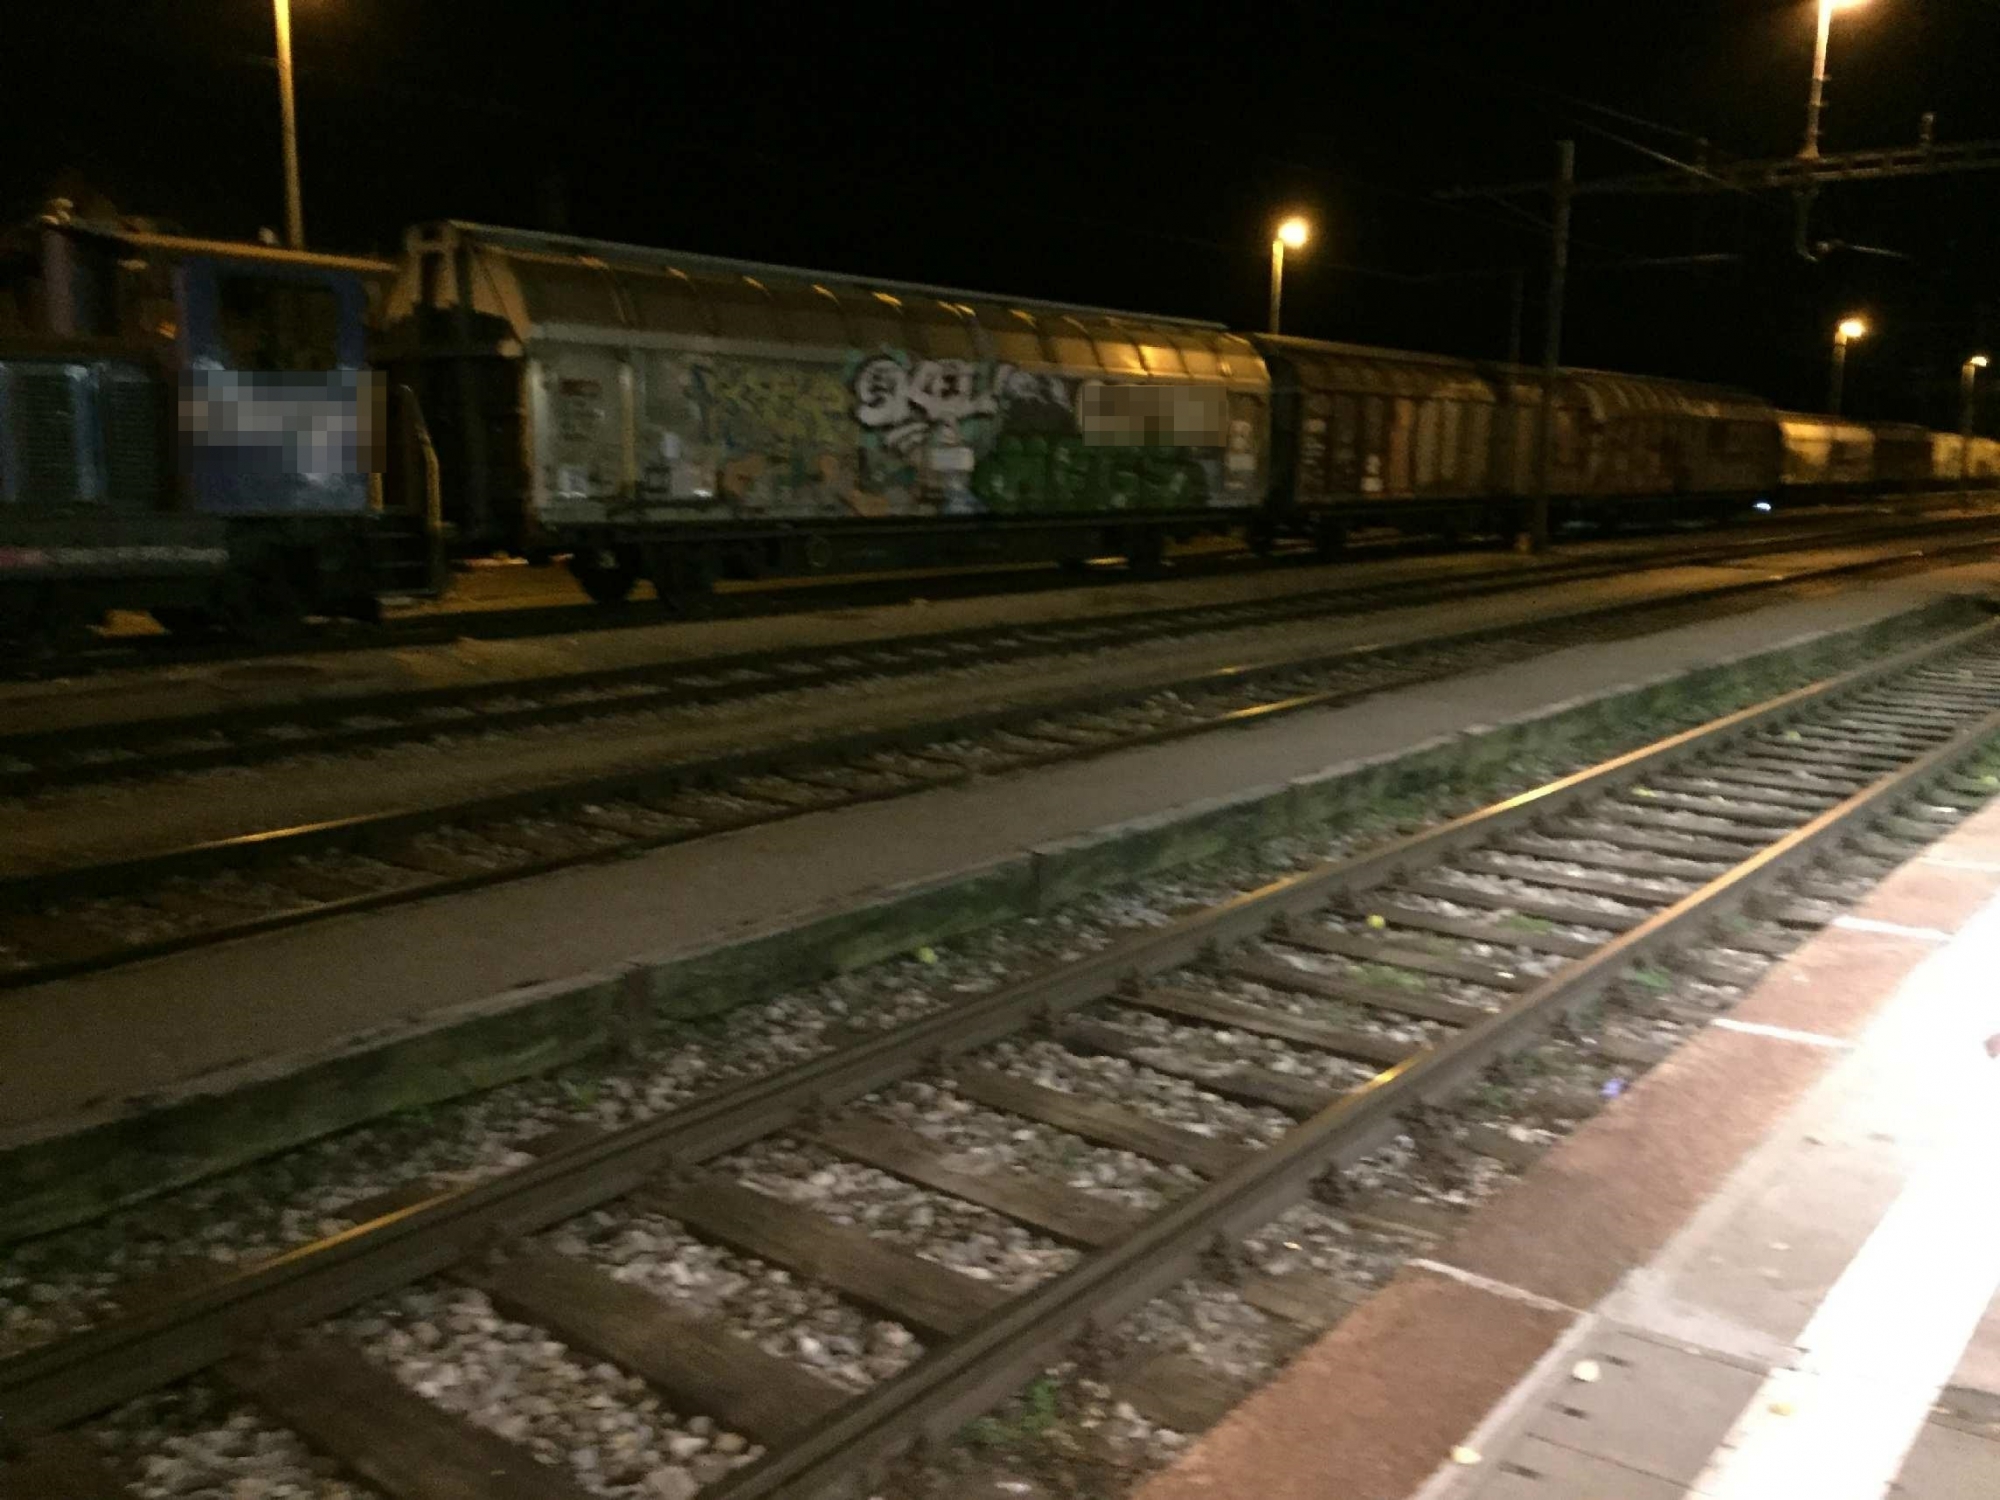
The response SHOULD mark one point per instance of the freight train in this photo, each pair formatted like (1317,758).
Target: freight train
(241,435)
(679,419)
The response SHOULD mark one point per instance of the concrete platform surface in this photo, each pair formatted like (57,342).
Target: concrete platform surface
(83,1047)
(1769,1271)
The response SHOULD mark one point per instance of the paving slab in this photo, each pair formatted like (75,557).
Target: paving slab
(1340,1421)
(1947,1464)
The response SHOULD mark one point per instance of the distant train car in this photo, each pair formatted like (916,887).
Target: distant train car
(1377,437)
(1366,436)
(1823,453)
(1949,452)
(1676,449)
(1955,460)
(1904,456)
(221,464)
(681,418)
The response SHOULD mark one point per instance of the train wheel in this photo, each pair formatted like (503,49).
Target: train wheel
(604,579)
(685,580)
(41,623)
(1329,539)
(260,605)
(183,619)
(1146,554)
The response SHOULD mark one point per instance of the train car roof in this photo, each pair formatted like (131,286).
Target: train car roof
(245,250)
(617,252)
(1406,372)
(1325,364)
(74,348)
(1818,419)
(529,290)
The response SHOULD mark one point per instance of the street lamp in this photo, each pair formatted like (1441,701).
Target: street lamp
(1817,98)
(1968,376)
(1849,330)
(1294,232)
(295,219)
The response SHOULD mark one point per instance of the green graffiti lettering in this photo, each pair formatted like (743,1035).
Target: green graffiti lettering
(1036,473)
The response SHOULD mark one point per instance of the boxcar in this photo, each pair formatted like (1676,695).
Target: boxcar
(681,418)
(1981,459)
(1825,452)
(1904,457)
(1663,446)
(1379,436)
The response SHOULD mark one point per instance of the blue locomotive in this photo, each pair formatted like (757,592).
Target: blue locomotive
(193,428)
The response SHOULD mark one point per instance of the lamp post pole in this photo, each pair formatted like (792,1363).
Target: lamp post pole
(1277,279)
(1293,232)
(1968,393)
(295,221)
(1839,374)
(1816,100)
(1848,330)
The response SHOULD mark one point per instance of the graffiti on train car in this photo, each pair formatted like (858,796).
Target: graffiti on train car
(889,433)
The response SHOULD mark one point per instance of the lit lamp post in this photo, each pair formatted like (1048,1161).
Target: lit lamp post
(1849,330)
(1292,233)
(1816,100)
(1968,392)
(295,218)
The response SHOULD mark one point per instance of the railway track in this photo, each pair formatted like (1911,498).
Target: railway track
(91,917)
(32,761)
(143,652)
(1349,1002)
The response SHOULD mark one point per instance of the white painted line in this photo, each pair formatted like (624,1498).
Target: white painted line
(1952,862)
(1838,1421)
(1488,1284)
(1784,1034)
(1512,1410)
(1892,929)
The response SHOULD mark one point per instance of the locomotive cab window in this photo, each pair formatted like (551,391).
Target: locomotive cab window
(271,324)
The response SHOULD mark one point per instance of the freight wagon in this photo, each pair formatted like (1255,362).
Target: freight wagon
(1378,437)
(681,419)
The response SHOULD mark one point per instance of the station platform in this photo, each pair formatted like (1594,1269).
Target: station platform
(1768,1271)
(79,1051)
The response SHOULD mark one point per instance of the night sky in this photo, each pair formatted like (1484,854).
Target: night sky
(1128,155)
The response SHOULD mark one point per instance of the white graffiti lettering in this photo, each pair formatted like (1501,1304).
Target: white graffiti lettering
(937,390)
(926,402)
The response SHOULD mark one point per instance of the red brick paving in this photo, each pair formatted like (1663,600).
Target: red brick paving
(1367,1411)
(1583,1217)
(1370,1410)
